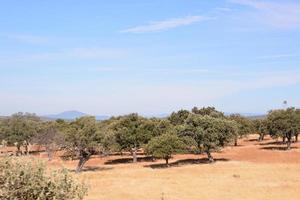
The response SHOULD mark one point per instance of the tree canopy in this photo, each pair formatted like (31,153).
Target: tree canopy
(133,131)
(284,123)
(209,133)
(164,146)
(245,126)
(83,138)
(20,128)
(211,111)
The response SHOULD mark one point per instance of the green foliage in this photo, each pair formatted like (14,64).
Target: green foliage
(245,126)
(209,133)
(20,127)
(107,136)
(27,180)
(83,138)
(163,126)
(211,111)
(50,137)
(261,126)
(203,130)
(2,130)
(133,131)
(284,123)
(82,133)
(179,117)
(164,146)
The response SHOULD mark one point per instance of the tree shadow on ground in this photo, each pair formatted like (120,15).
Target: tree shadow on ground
(251,140)
(283,148)
(273,143)
(183,162)
(93,169)
(128,160)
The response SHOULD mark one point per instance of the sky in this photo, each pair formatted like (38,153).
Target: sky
(152,57)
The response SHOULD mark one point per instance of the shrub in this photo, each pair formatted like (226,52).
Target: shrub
(28,180)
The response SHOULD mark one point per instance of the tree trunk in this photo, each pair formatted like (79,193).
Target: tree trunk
(81,163)
(288,145)
(152,158)
(289,141)
(84,157)
(235,141)
(167,161)
(26,149)
(283,139)
(296,138)
(209,156)
(134,156)
(261,137)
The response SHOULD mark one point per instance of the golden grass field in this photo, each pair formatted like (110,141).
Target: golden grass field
(253,170)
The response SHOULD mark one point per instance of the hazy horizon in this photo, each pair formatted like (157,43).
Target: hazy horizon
(142,114)
(154,57)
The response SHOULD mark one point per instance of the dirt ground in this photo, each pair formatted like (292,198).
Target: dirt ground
(253,170)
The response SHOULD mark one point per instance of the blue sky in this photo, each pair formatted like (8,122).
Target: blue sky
(151,57)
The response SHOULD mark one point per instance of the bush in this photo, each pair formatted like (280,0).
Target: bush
(28,180)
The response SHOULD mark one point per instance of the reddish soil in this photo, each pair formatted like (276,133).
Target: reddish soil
(248,149)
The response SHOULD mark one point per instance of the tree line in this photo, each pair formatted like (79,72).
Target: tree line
(201,130)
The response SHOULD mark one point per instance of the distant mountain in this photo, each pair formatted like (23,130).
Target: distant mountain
(71,115)
(67,115)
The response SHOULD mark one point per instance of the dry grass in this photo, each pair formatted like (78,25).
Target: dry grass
(230,180)
(253,170)
(250,171)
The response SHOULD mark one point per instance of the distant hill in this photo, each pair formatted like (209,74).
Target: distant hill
(71,115)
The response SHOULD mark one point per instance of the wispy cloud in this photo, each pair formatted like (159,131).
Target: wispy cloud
(167,24)
(283,15)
